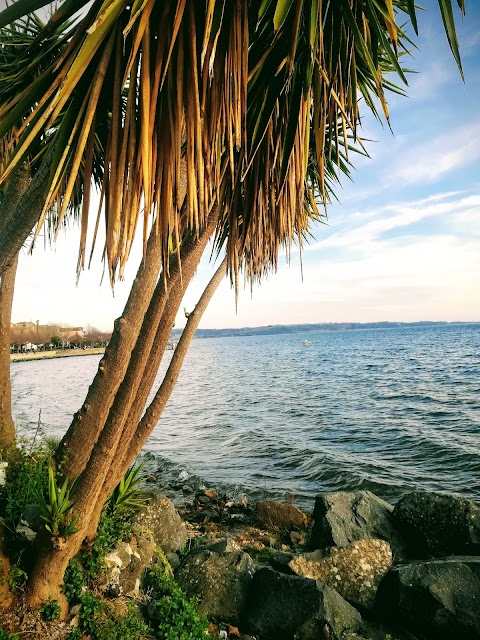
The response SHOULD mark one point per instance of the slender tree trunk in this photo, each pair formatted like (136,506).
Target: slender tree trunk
(78,442)
(133,445)
(54,554)
(7,286)
(141,374)
(9,207)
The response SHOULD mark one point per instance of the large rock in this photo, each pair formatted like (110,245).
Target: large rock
(355,571)
(343,517)
(437,598)
(161,518)
(219,576)
(124,566)
(283,607)
(437,525)
(277,515)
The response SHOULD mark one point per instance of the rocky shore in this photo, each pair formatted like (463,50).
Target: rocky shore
(356,568)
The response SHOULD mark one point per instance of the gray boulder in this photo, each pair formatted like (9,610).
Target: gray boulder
(343,517)
(435,524)
(161,519)
(219,576)
(284,607)
(437,598)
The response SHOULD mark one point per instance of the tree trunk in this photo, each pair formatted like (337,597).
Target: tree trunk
(77,444)
(47,575)
(133,445)
(7,286)
(13,200)
(21,210)
(141,374)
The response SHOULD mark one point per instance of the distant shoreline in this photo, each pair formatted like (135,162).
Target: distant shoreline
(48,355)
(280,329)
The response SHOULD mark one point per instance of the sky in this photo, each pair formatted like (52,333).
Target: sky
(401,244)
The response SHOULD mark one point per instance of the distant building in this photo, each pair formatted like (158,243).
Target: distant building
(24,327)
(71,334)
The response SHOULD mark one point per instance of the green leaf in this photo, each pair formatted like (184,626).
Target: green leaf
(263,8)
(413,14)
(281,12)
(19,9)
(449,24)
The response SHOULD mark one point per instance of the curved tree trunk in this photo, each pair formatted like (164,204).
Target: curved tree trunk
(54,554)
(7,286)
(78,442)
(138,432)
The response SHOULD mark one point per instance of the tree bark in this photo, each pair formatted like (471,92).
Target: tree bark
(137,384)
(21,210)
(7,286)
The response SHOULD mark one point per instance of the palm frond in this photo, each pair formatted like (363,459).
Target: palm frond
(253,104)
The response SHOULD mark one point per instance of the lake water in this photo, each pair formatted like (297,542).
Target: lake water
(385,409)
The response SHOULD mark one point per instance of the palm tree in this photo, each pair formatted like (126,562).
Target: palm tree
(20,194)
(21,197)
(227,122)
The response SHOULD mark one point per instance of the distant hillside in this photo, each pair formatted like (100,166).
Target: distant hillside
(303,328)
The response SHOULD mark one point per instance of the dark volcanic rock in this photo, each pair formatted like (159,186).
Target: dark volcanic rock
(342,517)
(437,598)
(283,607)
(219,576)
(435,524)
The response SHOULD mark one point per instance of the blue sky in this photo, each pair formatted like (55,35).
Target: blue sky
(402,244)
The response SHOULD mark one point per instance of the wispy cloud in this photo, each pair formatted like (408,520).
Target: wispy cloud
(430,160)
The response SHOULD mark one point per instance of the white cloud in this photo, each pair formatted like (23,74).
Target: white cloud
(430,160)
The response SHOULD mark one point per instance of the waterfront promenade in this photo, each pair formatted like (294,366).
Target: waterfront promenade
(61,353)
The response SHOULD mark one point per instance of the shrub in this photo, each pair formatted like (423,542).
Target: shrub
(115,627)
(73,583)
(99,621)
(173,615)
(5,635)
(27,476)
(50,610)
(90,610)
(56,506)
(127,495)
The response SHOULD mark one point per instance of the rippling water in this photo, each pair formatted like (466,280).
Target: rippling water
(384,409)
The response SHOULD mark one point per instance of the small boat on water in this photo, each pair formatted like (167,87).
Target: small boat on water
(306,343)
